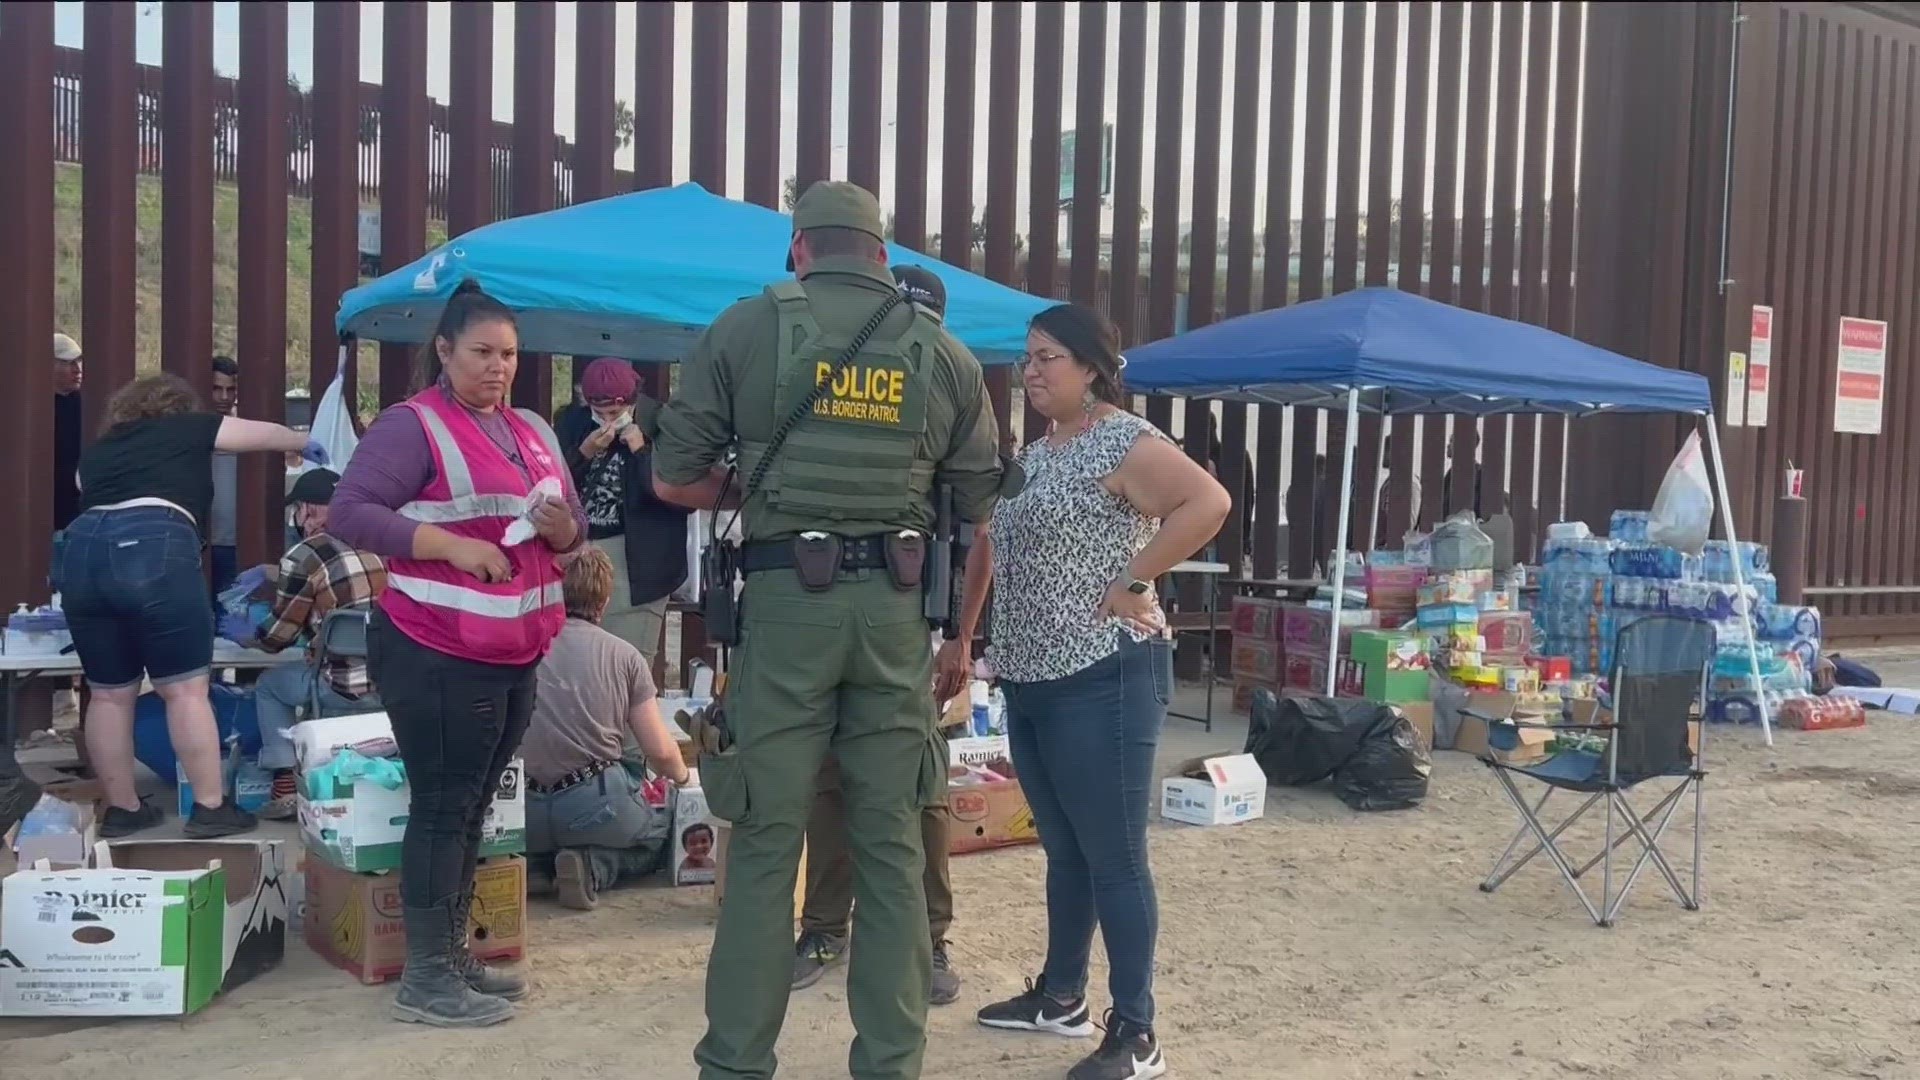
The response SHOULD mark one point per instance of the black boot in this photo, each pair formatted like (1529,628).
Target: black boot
(433,990)
(479,975)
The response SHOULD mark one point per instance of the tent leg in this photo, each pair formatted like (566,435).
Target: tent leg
(1340,544)
(1379,488)
(1739,575)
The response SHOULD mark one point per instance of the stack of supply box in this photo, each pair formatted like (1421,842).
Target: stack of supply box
(1306,631)
(1257,657)
(353,804)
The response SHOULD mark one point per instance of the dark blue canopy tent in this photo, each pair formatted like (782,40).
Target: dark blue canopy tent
(1388,352)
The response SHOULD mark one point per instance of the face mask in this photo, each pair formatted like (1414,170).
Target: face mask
(620,422)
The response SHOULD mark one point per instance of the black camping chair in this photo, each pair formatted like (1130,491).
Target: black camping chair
(1660,669)
(342,636)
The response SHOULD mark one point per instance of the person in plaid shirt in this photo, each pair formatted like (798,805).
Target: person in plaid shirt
(315,576)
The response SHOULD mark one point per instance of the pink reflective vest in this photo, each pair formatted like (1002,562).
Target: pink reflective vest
(477,492)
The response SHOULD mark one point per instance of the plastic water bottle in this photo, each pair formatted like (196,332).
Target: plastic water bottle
(982,702)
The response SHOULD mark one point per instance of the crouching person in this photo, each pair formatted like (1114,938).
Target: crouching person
(588,826)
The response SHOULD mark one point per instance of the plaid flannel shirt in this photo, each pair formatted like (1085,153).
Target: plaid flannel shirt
(318,575)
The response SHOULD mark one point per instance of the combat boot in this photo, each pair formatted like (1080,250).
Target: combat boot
(483,977)
(432,990)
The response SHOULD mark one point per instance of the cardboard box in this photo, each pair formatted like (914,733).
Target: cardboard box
(68,849)
(360,828)
(1420,715)
(978,750)
(990,815)
(696,836)
(316,741)
(1257,659)
(1507,633)
(1306,673)
(1224,790)
(1257,617)
(1393,666)
(722,841)
(157,932)
(354,920)
(1308,629)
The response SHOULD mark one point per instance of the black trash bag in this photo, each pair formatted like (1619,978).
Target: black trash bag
(1389,770)
(1303,740)
(1373,753)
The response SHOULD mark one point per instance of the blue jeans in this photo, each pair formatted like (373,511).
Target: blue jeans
(1084,749)
(279,695)
(130,584)
(606,819)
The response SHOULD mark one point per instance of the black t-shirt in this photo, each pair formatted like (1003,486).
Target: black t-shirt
(167,457)
(66,458)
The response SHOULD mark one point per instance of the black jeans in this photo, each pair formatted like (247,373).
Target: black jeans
(458,722)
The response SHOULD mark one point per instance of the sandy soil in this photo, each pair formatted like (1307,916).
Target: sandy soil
(1317,943)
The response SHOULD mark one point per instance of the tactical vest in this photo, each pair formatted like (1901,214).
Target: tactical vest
(856,456)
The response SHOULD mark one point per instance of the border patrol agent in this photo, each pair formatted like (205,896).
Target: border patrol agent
(834,651)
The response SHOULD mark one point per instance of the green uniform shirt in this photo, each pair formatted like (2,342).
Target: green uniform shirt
(728,385)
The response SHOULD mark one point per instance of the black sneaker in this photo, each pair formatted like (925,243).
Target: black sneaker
(118,822)
(210,822)
(1036,1010)
(1129,1052)
(946,981)
(813,954)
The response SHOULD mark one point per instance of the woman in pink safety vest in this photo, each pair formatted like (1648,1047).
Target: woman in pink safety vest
(465,619)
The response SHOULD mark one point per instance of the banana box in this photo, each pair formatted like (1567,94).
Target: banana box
(990,815)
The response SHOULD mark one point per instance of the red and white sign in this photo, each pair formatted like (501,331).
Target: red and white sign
(1861,387)
(1759,366)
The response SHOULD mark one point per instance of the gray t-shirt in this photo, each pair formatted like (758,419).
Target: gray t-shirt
(226,488)
(587,687)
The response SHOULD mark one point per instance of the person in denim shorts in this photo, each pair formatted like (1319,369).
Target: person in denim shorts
(135,596)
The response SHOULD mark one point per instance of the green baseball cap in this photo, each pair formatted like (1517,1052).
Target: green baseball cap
(837,204)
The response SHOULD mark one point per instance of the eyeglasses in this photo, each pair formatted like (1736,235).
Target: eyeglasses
(1028,359)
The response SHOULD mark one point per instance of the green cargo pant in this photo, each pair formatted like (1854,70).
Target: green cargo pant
(848,670)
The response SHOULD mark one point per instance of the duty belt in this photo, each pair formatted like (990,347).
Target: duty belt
(578,776)
(856,553)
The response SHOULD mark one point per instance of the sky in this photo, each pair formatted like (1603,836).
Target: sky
(227,59)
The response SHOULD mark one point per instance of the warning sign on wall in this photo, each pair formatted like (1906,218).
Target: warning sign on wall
(1759,366)
(1736,390)
(1861,387)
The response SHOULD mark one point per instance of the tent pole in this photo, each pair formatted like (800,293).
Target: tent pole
(1340,545)
(1379,493)
(1739,576)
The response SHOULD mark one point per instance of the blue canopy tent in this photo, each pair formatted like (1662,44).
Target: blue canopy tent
(640,276)
(1389,352)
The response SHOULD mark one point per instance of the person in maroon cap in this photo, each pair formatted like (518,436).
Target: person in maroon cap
(608,446)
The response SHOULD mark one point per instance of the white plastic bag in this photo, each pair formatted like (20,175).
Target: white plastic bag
(521,530)
(332,426)
(1683,511)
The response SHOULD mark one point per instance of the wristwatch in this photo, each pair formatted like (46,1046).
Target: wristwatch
(1138,587)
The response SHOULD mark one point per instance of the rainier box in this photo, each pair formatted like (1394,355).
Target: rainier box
(159,935)
(355,921)
(358,825)
(1221,790)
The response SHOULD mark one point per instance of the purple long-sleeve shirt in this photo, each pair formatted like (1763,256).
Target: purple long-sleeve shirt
(391,466)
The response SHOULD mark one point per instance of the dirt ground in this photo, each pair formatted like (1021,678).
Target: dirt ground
(1317,944)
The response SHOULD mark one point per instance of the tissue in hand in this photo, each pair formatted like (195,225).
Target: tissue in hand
(521,530)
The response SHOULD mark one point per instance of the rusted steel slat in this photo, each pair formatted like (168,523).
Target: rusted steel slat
(1349,162)
(1866,282)
(1129,160)
(1003,139)
(1402,513)
(1090,115)
(653,97)
(262,329)
(865,55)
(1470,469)
(470,120)
(1270,464)
(1377,256)
(1043,163)
(107,187)
(1169,168)
(1829,518)
(910,146)
(26,292)
(336,190)
(814,159)
(707,120)
(1204,232)
(1235,466)
(1494,430)
(1906,561)
(763,181)
(533,73)
(1307,490)
(593,135)
(1560,292)
(956,184)
(1889,490)
(1442,274)
(1532,300)
(403,168)
(186,193)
